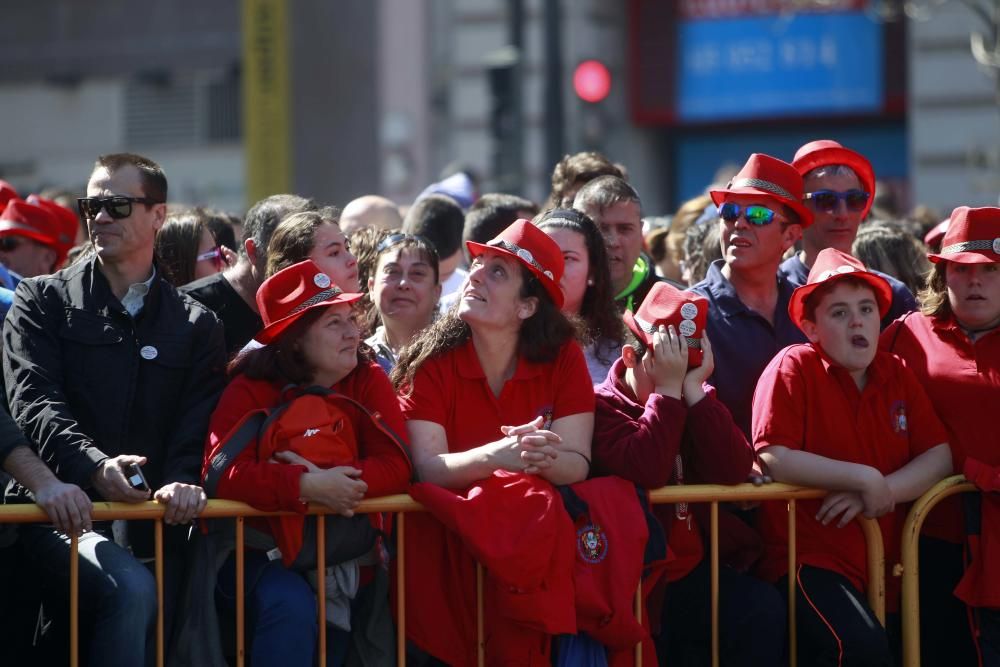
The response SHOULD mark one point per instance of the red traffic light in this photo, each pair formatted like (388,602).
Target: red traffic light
(592,81)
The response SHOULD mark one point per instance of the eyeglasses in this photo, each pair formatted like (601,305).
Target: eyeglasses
(118,206)
(215,254)
(755,214)
(826,200)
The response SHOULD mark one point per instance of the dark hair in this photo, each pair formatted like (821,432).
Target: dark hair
(439,220)
(176,244)
(813,300)
(604,192)
(223,226)
(282,361)
(396,242)
(263,217)
(491,214)
(598,311)
(574,171)
(539,340)
(154,181)
(294,238)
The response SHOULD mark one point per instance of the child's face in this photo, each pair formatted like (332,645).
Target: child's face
(846,326)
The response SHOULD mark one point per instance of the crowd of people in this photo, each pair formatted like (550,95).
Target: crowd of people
(525,372)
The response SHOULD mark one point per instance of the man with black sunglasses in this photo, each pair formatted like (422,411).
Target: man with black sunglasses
(761,215)
(107,368)
(839,189)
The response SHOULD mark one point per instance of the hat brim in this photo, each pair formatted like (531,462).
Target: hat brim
(881,287)
(967,257)
(845,156)
(550,285)
(273,331)
(13,228)
(804,213)
(633,326)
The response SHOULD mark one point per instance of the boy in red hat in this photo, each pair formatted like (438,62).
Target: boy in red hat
(657,423)
(839,188)
(35,235)
(761,215)
(838,414)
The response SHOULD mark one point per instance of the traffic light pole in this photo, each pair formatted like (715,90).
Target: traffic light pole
(553,107)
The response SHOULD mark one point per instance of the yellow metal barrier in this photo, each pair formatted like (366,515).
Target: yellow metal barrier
(910,609)
(401,504)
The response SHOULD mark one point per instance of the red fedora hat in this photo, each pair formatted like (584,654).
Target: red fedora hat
(532,247)
(832,264)
(666,305)
(770,177)
(973,237)
(290,293)
(825,152)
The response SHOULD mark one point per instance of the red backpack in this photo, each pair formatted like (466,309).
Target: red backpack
(312,422)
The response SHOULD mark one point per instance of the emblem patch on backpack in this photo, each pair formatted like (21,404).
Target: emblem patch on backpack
(592,543)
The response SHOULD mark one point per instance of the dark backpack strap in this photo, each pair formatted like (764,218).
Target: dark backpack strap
(574,504)
(231,448)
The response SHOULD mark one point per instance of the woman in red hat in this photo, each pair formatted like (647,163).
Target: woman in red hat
(496,384)
(310,338)
(586,286)
(953,345)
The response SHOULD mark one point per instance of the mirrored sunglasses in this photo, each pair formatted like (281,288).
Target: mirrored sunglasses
(755,214)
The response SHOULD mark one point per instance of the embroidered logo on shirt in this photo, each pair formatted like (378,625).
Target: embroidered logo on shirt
(546,415)
(592,543)
(898,416)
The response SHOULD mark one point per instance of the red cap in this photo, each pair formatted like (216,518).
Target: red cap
(7,192)
(30,220)
(825,152)
(666,305)
(532,247)
(973,237)
(832,264)
(933,238)
(290,293)
(768,177)
(66,224)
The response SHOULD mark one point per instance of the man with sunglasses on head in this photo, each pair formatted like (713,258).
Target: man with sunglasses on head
(112,376)
(761,215)
(839,188)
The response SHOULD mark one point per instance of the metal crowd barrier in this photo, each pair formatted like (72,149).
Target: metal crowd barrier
(402,504)
(910,609)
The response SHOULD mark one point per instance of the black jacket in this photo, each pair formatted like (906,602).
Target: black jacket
(85,381)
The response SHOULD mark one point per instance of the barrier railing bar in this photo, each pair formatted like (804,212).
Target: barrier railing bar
(321,587)
(400,590)
(910,608)
(158,566)
(876,563)
(240,563)
(480,632)
(714,555)
(74,601)
(792,632)
(638,617)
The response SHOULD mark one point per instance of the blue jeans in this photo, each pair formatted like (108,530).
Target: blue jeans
(281,613)
(117,594)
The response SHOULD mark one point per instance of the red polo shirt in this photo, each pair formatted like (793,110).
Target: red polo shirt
(962,379)
(451,390)
(804,402)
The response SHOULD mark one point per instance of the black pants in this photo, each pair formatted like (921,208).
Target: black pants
(988,621)
(836,627)
(945,638)
(752,621)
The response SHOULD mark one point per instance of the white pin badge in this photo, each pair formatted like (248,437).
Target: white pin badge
(322,280)
(996,246)
(687,328)
(148,352)
(689,311)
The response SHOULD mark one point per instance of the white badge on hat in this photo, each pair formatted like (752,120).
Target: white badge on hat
(148,352)
(321,280)
(687,328)
(689,311)
(996,246)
